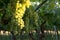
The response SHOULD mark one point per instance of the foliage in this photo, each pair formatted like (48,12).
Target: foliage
(48,11)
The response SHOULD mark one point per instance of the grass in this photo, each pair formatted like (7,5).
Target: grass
(47,37)
(5,37)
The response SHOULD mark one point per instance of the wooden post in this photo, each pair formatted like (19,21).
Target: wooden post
(13,36)
(42,30)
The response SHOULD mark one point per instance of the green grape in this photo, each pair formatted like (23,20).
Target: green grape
(20,9)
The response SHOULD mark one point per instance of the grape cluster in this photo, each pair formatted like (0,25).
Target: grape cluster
(19,13)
